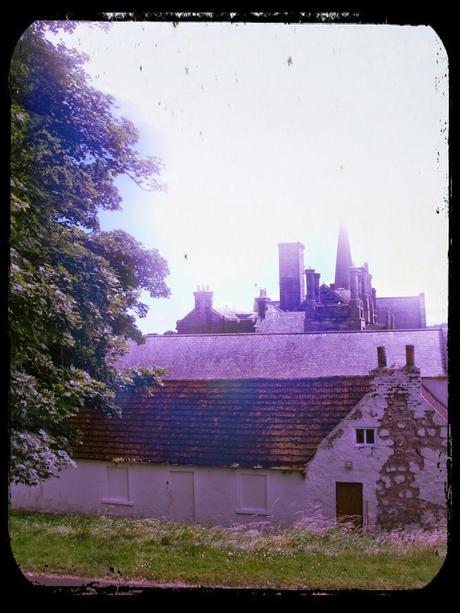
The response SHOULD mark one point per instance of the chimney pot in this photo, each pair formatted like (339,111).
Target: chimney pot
(381,357)
(410,356)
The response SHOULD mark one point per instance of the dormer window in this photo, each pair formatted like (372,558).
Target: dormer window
(365,437)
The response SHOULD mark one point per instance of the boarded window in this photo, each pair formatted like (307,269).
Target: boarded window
(253,493)
(117,484)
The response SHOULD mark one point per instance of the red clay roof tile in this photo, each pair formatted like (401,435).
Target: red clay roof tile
(271,423)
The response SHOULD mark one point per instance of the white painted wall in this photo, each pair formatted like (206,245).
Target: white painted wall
(217,495)
(329,463)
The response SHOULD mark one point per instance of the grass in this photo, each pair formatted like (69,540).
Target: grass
(309,555)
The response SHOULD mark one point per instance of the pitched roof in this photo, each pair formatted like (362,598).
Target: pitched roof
(281,321)
(251,422)
(232,314)
(440,408)
(329,295)
(285,356)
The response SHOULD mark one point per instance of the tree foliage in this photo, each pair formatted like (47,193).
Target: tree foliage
(74,289)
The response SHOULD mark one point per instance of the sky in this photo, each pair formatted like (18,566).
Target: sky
(272,133)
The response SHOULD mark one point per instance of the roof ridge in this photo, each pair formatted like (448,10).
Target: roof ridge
(328,332)
(277,380)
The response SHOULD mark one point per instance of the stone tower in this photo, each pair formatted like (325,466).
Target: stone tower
(291,275)
(343,261)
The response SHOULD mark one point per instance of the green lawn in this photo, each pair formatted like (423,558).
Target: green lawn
(300,557)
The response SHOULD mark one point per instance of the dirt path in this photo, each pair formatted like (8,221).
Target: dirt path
(94,582)
(93,585)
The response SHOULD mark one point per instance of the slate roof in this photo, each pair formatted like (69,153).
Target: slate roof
(281,321)
(248,422)
(286,356)
(232,314)
(224,312)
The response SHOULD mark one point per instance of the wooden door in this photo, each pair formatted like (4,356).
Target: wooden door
(183,496)
(349,502)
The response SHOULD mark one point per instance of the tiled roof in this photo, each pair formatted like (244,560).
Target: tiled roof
(285,356)
(250,423)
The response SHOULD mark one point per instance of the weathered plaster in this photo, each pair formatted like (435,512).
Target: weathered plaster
(328,466)
(216,498)
(404,474)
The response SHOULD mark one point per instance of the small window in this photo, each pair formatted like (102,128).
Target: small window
(365,437)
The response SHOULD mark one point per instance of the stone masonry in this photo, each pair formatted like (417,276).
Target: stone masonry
(411,484)
(350,303)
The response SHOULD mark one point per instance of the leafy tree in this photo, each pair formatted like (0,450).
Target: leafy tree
(74,289)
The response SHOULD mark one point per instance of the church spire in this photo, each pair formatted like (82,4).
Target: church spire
(343,261)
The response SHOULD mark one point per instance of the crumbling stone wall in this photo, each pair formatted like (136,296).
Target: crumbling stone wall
(411,484)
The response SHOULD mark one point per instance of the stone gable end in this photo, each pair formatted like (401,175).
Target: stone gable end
(404,474)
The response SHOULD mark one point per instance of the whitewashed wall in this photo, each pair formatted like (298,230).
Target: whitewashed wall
(215,496)
(403,475)
(338,451)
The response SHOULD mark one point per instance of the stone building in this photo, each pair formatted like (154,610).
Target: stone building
(271,427)
(394,476)
(305,305)
(206,318)
(275,414)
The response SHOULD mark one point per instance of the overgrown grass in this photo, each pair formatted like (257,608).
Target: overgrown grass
(308,555)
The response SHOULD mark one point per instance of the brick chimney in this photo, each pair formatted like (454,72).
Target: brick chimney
(400,379)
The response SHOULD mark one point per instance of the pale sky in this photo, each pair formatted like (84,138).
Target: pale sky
(271,133)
